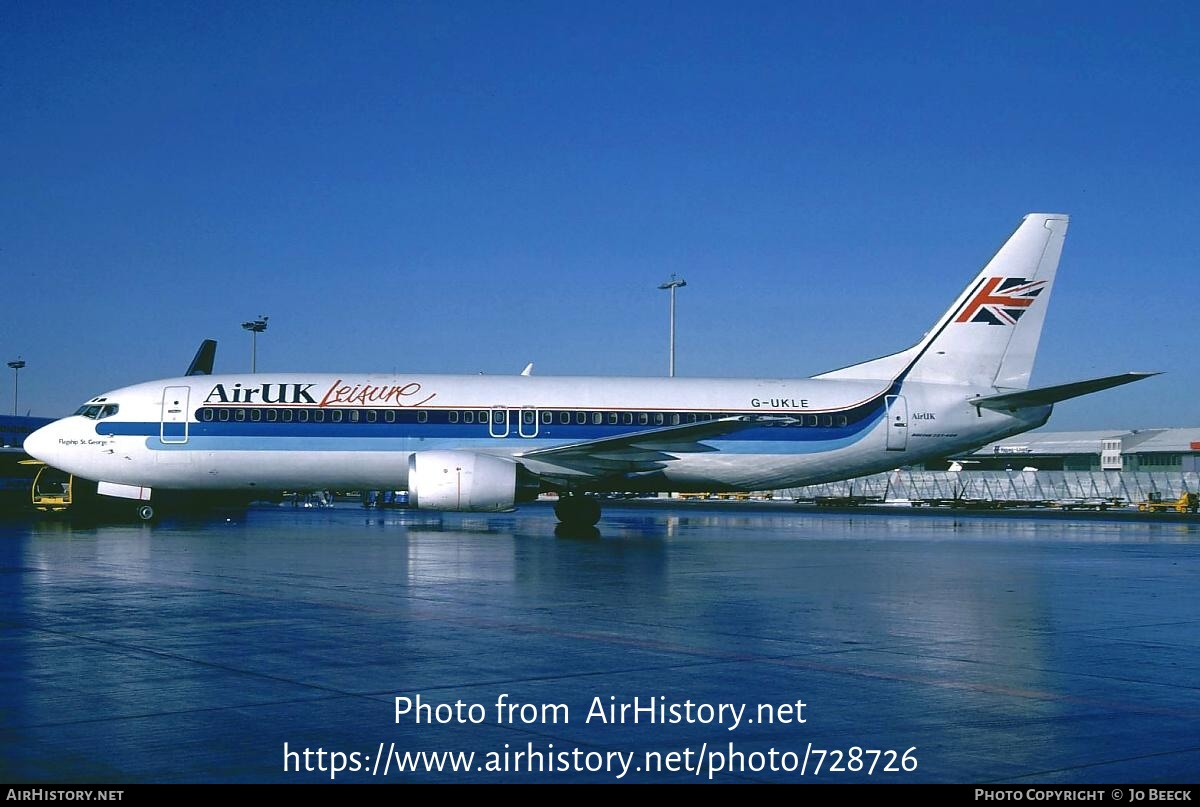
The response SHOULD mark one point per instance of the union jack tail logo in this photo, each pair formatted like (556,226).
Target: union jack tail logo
(1001,300)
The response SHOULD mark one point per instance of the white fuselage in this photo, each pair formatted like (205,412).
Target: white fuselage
(306,431)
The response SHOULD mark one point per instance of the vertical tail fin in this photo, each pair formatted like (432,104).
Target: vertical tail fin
(989,336)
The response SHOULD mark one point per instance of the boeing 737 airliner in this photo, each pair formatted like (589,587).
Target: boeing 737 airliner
(486,443)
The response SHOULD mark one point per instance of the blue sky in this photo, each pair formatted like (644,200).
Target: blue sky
(466,187)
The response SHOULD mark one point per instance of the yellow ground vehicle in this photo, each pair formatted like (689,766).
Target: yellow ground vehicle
(52,490)
(58,492)
(1186,503)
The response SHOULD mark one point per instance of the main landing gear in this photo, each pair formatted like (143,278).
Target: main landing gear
(576,510)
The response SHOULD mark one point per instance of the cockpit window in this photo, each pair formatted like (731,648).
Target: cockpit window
(97,411)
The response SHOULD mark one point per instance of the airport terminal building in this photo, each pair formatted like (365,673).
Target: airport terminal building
(1114,450)
(1111,468)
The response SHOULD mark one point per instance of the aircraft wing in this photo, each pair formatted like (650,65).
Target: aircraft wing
(1061,392)
(639,452)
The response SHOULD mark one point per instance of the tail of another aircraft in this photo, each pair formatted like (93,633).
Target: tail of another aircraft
(989,336)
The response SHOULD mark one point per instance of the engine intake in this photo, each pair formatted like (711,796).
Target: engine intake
(462,481)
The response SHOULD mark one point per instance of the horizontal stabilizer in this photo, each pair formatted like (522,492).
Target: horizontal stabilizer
(1061,392)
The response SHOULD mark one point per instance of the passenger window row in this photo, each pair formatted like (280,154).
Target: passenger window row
(548,417)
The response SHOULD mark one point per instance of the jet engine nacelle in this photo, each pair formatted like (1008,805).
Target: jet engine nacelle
(461,480)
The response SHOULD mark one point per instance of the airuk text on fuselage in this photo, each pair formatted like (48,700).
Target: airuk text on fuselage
(339,393)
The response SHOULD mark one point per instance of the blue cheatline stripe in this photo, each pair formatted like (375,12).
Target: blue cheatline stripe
(405,444)
(232,435)
(365,436)
(806,440)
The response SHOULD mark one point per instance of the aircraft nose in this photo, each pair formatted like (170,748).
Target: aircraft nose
(41,444)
